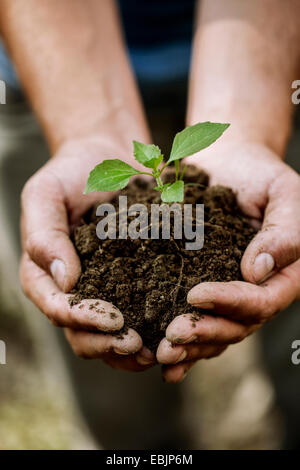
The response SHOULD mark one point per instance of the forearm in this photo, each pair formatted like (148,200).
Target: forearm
(73,66)
(246,55)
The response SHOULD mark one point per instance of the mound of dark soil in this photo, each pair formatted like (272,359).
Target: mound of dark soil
(148,280)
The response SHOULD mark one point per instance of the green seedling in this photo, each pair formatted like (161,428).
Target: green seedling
(112,175)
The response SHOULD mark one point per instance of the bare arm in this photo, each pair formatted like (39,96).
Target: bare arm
(72,62)
(246,55)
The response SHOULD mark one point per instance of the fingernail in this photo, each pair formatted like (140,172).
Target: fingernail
(145,357)
(58,272)
(142,361)
(182,356)
(263,265)
(191,339)
(205,305)
(193,298)
(121,353)
(184,340)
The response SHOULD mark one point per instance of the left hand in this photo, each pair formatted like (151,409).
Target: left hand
(268,192)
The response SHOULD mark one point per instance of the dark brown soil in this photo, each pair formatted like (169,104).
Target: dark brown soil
(148,280)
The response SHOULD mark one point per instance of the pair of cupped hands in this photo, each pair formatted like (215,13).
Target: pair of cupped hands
(268,193)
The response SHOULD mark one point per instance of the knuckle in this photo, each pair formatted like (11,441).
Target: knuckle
(72,317)
(238,337)
(287,249)
(27,280)
(31,189)
(53,313)
(50,314)
(39,246)
(75,342)
(33,244)
(77,350)
(267,312)
(75,320)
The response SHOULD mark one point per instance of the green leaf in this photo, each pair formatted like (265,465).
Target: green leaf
(173,193)
(149,155)
(110,175)
(195,138)
(158,162)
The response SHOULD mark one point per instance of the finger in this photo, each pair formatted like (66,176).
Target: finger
(255,223)
(141,361)
(177,373)
(126,363)
(208,329)
(277,244)
(249,303)
(44,293)
(96,345)
(145,357)
(45,229)
(168,353)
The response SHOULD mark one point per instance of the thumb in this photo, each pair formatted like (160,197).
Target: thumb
(277,244)
(45,230)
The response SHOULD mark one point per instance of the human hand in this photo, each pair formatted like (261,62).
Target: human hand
(268,192)
(52,202)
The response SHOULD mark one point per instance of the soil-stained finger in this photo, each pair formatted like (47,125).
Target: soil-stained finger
(208,329)
(145,357)
(89,314)
(127,363)
(170,354)
(95,345)
(45,228)
(246,302)
(196,352)
(176,374)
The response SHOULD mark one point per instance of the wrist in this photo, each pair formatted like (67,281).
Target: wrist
(113,132)
(93,149)
(249,128)
(239,150)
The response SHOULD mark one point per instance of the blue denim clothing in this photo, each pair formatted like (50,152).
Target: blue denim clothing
(7,70)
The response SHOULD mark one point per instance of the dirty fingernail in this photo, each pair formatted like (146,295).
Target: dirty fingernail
(191,339)
(263,265)
(182,356)
(194,298)
(145,357)
(205,305)
(120,352)
(142,361)
(185,340)
(58,272)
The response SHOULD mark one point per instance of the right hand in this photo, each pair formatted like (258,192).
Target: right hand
(52,202)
